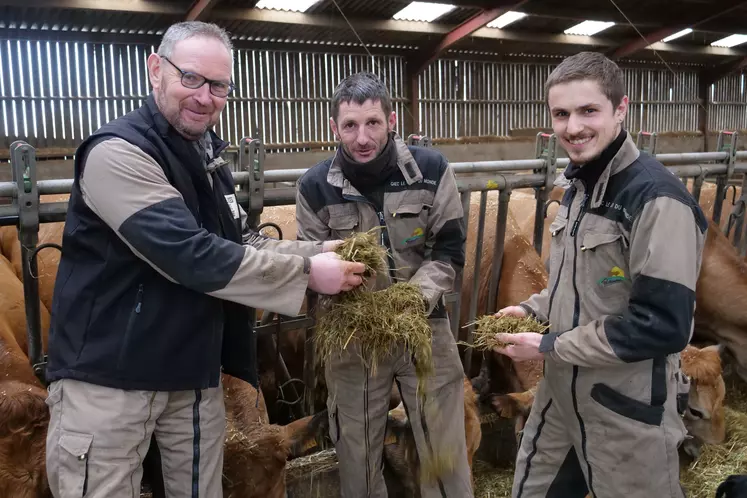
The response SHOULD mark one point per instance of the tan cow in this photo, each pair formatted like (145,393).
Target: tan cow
(24,420)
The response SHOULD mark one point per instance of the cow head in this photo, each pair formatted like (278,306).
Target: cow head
(23,434)
(704,417)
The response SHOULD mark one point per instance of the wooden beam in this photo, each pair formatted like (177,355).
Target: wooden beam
(141,6)
(199,9)
(711,76)
(464,30)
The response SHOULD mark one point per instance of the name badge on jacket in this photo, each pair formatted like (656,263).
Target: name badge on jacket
(233,204)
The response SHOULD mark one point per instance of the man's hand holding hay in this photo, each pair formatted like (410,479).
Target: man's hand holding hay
(519,346)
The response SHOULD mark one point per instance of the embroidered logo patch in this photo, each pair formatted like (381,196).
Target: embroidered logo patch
(416,234)
(615,275)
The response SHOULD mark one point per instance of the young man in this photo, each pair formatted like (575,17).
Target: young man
(157,273)
(374,179)
(625,256)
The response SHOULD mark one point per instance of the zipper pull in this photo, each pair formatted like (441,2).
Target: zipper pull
(577,221)
(139,298)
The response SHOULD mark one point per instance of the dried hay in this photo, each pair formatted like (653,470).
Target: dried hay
(491,482)
(717,462)
(363,247)
(483,338)
(376,322)
(311,465)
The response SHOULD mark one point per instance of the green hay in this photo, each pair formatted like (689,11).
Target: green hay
(487,326)
(377,323)
(363,247)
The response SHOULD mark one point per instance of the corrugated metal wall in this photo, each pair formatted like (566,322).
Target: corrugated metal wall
(54,94)
(728,108)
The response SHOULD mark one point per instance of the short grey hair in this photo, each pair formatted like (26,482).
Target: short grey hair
(359,88)
(189,29)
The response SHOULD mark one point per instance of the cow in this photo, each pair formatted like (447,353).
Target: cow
(402,468)
(256,451)
(12,304)
(721,290)
(25,418)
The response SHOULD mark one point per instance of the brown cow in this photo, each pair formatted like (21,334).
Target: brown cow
(13,307)
(704,417)
(25,419)
(720,313)
(256,451)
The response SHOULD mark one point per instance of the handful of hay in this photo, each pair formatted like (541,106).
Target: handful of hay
(363,248)
(377,322)
(487,326)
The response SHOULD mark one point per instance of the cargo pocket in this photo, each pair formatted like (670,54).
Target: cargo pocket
(73,463)
(625,439)
(626,406)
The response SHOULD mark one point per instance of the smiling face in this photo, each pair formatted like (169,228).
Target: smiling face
(363,129)
(190,111)
(584,119)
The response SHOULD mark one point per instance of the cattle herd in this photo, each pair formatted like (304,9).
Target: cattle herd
(256,450)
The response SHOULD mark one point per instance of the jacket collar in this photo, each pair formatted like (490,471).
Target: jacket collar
(626,156)
(405,161)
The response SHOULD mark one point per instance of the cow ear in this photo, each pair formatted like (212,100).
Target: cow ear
(719,349)
(307,435)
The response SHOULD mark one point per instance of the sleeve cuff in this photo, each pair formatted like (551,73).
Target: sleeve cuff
(530,311)
(547,344)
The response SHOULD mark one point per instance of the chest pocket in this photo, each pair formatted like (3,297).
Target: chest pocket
(343,220)
(604,259)
(408,226)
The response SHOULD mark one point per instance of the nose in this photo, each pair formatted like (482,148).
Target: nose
(362,137)
(575,125)
(203,96)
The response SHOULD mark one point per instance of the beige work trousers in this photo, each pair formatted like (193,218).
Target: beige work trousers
(99,436)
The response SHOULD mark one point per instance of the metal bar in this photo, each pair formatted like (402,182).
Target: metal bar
(500,239)
(23,164)
(475,281)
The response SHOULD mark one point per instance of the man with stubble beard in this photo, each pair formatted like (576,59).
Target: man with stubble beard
(157,277)
(376,180)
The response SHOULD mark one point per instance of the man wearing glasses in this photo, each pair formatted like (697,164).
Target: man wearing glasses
(157,276)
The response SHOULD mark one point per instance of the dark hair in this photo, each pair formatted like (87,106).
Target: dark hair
(590,66)
(359,88)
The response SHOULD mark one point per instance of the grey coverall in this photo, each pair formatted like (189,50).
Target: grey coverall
(620,300)
(423,218)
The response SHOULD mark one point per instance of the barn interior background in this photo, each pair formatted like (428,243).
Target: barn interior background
(468,74)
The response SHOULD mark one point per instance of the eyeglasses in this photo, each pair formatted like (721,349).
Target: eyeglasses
(195,81)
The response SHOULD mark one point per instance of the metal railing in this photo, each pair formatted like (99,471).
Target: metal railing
(27,212)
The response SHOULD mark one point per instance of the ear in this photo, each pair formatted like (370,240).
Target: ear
(719,349)
(333,125)
(307,435)
(154,71)
(622,109)
(392,121)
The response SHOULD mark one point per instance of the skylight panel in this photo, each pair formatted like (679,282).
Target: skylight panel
(291,5)
(423,11)
(588,28)
(506,19)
